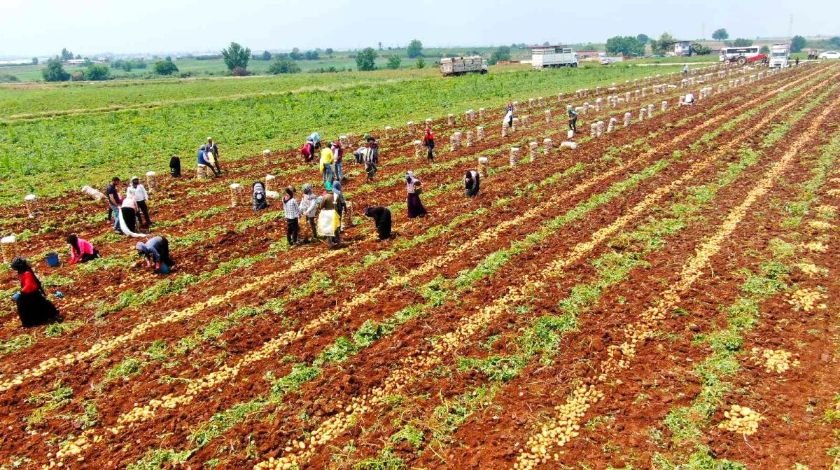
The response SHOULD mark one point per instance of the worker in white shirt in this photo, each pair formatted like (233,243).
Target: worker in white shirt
(138,192)
(689,99)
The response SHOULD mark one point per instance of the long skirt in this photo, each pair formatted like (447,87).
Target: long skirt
(415,206)
(35,309)
(129,216)
(328,177)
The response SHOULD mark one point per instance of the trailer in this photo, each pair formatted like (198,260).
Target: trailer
(450,66)
(553,56)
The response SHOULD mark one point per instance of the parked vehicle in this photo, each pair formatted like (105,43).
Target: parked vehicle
(553,56)
(607,60)
(779,55)
(461,65)
(742,55)
(829,55)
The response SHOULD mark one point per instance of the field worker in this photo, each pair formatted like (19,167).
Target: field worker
(338,157)
(114,200)
(138,192)
(309,205)
(204,159)
(413,188)
(258,196)
(508,119)
(175,166)
(382,219)
(471,183)
(429,143)
(128,218)
(81,250)
(685,69)
(214,149)
(371,159)
(688,99)
(359,154)
(155,253)
(291,210)
(573,115)
(329,220)
(32,304)
(338,199)
(327,168)
(310,149)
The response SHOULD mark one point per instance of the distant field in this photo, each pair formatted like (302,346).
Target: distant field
(156,119)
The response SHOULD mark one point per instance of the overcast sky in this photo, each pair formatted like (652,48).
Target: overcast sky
(43,27)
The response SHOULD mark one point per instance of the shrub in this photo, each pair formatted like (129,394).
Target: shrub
(394,62)
(366,60)
(500,54)
(54,71)
(420,63)
(97,72)
(165,67)
(283,66)
(236,57)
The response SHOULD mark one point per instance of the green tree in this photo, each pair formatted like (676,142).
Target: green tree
(663,44)
(283,65)
(625,46)
(311,55)
(329,51)
(366,60)
(66,55)
(414,49)
(394,62)
(699,49)
(266,55)
(835,41)
(54,71)
(165,67)
(236,57)
(500,54)
(764,49)
(420,63)
(97,72)
(296,54)
(34,61)
(797,43)
(720,34)
(643,38)
(741,42)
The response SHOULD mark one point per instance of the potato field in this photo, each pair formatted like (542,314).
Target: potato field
(665,295)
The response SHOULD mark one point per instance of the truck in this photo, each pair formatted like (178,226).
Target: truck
(450,66)
(742,55)
(607,60)
(553,56)
(779,55)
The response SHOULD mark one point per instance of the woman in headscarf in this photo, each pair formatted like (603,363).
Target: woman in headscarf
(32,304)
(81,251)
(156,254)
(292,212)
(413,188)
(338,198)
(382,219)
(327,167)
(329,219)
(309,205)
(258,198)
(471,183)
(429,143)
(128,217)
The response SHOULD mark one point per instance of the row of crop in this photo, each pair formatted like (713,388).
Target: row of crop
(559,428)
(365,298)
(238,408)
(543,334)
(490,264)
(689,424)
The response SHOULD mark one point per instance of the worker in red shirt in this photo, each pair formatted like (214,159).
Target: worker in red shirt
(32,304)
(429,143)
